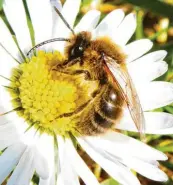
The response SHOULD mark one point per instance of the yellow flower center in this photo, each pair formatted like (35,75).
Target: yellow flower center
(42,95)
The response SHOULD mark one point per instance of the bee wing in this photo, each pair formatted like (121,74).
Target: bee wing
(121,77)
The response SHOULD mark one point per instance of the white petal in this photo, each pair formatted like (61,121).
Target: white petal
(142,73)
(61,159)
(4,118)
(50,181)
(45,143)
(80,167)
(152,57)
(41,165)
(125,30)
(9,159)
(156,94)
(25,169)
(159,123)
(7,41)
(155,123)
(45,146)
(66,170)
(114,168)
(69,12)
(18,22)
(137,49)
(109,24)
(61,149)
(88,21)
(146,167)
(56,3)
(7,63)
(55,17)
(5,99)
(116,143)
(30,136)
(13,119)
(44,182)
(148,67)
(41,16)
(8,135)
(148,170)
(3,81)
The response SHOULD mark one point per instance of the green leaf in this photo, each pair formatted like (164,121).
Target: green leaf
(166,148)
(110,182)
(169,109)
(155,6)
(86,2)
(1,3)
(167,164)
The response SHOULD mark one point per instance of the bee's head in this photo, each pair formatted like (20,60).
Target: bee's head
(81,42)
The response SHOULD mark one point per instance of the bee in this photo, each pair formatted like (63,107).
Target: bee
(103,61)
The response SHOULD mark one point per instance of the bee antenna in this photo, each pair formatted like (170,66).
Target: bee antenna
(63,19)
(46,42)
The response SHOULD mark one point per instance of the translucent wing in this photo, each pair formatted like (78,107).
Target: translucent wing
(122,79)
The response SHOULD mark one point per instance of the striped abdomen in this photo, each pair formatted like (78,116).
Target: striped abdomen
(103,112)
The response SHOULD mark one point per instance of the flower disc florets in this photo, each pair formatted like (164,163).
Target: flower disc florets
(42,95)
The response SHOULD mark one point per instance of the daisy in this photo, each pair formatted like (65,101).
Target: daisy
(31,138)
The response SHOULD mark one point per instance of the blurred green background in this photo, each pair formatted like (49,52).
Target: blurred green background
(154,21)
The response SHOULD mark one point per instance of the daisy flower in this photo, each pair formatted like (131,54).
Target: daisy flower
(32,96)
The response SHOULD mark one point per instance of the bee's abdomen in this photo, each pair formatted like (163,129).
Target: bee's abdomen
(101,120)
(111,103)
(103,113)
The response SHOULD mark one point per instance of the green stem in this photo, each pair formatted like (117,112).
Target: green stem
(139,30)
(155,6)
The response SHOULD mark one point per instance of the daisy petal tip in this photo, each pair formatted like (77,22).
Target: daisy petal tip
(161,53)
(149,42)
(162,177)
(132,16)
(118,11)
(165,66)
(163,157)
(95,11)
(164,53)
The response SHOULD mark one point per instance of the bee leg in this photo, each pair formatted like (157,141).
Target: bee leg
(94,94)
(76,72)
(85,72)
(67,63)
(78,110)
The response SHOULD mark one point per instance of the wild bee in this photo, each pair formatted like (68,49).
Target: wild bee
(103,61)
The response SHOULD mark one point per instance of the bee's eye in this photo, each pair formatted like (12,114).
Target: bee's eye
(76,52)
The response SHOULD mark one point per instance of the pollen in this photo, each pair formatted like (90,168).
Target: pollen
(43,96)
